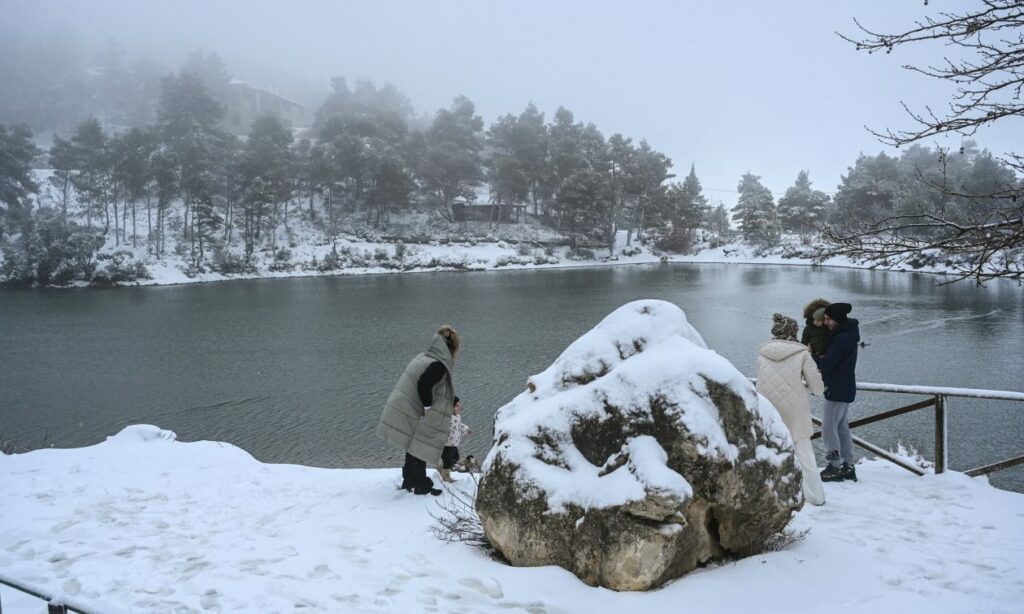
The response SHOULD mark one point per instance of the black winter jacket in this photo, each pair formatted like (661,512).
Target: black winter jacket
(839,363)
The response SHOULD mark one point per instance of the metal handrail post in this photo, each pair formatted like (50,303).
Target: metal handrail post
(940,433)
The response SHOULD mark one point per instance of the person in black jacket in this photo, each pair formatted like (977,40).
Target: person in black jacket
(838,367)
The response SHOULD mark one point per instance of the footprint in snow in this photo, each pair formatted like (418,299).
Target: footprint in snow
(210,599)
(489,587)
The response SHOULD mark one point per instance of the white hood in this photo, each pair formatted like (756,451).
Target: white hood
(778,350)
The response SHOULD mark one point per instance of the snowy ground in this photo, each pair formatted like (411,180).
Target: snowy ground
(142,523)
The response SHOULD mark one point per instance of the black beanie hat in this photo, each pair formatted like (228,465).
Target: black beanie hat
(838,311)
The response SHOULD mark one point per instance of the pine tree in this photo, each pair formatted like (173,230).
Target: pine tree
(62,161)
(755,212)
(91,179)
(452,165)
(17,152)
(802,208)
(687,209)
(188,125)
(266,167)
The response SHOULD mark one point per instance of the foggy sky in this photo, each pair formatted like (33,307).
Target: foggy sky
(765,87)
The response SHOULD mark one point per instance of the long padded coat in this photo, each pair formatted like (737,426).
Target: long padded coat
(403,422)
(785,371)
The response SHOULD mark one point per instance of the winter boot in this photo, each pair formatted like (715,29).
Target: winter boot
(446,475)
(847,472)
(426,487)
(832,473)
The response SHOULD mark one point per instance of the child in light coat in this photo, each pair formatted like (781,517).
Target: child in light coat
(456,431)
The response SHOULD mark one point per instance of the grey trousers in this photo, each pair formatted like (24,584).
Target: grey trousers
(835,431)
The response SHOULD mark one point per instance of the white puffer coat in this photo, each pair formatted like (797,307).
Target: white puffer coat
(785,371)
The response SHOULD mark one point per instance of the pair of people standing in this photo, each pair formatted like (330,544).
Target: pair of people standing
(823,362)
(423,416)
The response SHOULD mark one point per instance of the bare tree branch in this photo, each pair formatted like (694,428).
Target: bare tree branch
(987,70)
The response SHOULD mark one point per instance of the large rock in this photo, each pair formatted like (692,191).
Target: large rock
(636,457)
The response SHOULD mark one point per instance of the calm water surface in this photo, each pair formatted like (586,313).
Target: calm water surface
(297,370)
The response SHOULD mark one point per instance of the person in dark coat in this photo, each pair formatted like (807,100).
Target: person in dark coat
(815,335)
(838,367)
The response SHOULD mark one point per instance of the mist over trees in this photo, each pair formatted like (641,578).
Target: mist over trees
(132,171)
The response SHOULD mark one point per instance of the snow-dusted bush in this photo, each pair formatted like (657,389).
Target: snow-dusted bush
(632,250)
(227,262)
(581,253)
(501,261)
(456,520)
(331,262)
(120,267)
(282,261)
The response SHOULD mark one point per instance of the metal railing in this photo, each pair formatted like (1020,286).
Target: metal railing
(938,400)
(54,604)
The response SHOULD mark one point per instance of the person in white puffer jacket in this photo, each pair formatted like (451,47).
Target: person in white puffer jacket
(785,372)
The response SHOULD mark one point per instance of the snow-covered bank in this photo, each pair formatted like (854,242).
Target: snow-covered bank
(143,523)
(376,258)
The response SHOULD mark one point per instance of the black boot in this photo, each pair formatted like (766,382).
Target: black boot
(847,472)
(832,473)
(425,486)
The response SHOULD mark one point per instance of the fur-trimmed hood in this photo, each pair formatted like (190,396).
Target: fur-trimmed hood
(813,306)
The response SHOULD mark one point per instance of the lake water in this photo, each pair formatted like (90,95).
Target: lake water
(297,370)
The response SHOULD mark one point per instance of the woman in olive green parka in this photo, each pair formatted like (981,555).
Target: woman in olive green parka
(418,413)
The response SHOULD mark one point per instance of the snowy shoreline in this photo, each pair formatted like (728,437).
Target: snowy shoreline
(142,522)
(485,257)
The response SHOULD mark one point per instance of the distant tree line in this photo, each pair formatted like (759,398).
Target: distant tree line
(951,185)
(368,156)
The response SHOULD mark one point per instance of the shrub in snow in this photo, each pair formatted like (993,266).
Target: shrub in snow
(282,261)
(507,260)
(227,262)
(331,261)
(524,250)
(121,267)
(636,457)
(631,251)
(581,253)
(400,251)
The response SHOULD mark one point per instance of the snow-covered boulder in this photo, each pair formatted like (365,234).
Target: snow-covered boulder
(637,456)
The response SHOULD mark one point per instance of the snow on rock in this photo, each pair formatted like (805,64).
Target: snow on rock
(166,526)
(638,455)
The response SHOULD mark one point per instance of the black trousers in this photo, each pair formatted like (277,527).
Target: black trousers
(449,456)
(414,475)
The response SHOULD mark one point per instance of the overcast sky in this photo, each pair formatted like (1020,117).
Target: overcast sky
(747,85)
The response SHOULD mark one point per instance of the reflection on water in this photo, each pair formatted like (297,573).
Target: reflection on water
(297,370)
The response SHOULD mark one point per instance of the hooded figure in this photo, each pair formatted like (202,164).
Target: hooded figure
(838,369)
(785,372)
(418,413)
(815,335)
